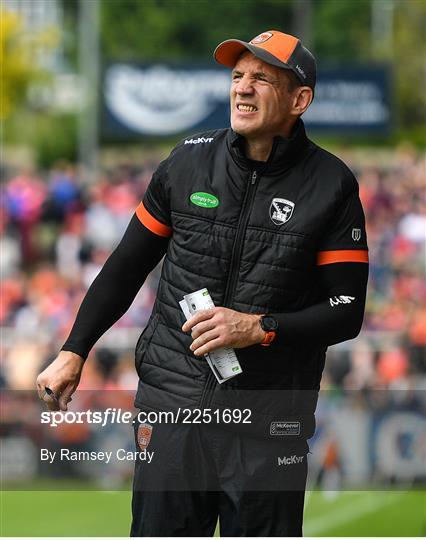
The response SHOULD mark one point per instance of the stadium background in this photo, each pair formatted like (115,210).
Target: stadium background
(73,175)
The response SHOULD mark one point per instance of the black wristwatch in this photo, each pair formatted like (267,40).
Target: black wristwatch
(269,324)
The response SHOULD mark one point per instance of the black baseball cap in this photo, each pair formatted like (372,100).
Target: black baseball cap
(275,48)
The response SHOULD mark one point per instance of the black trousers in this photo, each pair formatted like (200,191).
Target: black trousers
(199,474)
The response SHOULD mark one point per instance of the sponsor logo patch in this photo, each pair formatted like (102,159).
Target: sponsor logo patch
(284,428)
(281,211)
(292,460)
(356,234)
(261,38)
(205,200)
(144,435)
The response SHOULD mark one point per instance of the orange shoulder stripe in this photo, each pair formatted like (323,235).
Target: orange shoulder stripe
(151,223)
(342,255)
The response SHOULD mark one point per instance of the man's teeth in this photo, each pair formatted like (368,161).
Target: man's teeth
(247,108)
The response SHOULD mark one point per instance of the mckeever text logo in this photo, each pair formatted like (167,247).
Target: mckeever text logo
(292,460)
(199,140)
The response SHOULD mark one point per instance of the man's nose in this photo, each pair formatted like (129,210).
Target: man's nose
(244,86)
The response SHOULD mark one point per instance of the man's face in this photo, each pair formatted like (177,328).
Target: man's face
(260,99)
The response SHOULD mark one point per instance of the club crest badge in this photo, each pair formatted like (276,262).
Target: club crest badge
(281,211)
(144,435)
(356,235)
(261,38)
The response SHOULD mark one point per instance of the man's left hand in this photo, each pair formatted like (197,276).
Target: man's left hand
(222,327)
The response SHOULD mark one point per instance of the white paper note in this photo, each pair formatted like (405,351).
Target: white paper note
(223,362)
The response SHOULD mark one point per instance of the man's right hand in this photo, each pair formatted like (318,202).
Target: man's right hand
(62,377)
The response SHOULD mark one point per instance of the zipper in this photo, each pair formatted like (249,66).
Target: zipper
(233,270)
(238,244)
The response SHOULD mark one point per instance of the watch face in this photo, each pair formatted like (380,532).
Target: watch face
(269,323)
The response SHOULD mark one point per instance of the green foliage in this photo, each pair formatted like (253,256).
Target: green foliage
(408,56)
(19,54)
(180,29)
(342,30)
(51,136)
(57,138)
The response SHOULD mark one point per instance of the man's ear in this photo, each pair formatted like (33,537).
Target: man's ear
(302,99)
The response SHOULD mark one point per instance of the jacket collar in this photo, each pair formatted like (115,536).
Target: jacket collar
(285,151)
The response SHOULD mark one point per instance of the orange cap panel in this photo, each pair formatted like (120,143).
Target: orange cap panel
(278,44)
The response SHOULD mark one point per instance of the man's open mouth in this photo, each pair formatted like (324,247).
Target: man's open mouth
(246,108)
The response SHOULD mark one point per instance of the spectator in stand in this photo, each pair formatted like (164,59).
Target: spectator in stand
(24,198)
(63,194)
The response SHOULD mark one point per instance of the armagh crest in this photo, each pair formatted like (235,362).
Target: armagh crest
(281,211)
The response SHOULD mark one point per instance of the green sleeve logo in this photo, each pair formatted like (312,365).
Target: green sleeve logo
(205,200)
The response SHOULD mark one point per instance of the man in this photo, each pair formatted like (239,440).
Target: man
(281,247)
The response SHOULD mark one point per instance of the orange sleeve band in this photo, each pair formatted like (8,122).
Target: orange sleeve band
(343,255)
(151,223)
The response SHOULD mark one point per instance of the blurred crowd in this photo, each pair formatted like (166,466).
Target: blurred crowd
(57,232)
(391,349)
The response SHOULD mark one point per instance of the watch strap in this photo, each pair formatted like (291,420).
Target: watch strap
(268,339)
